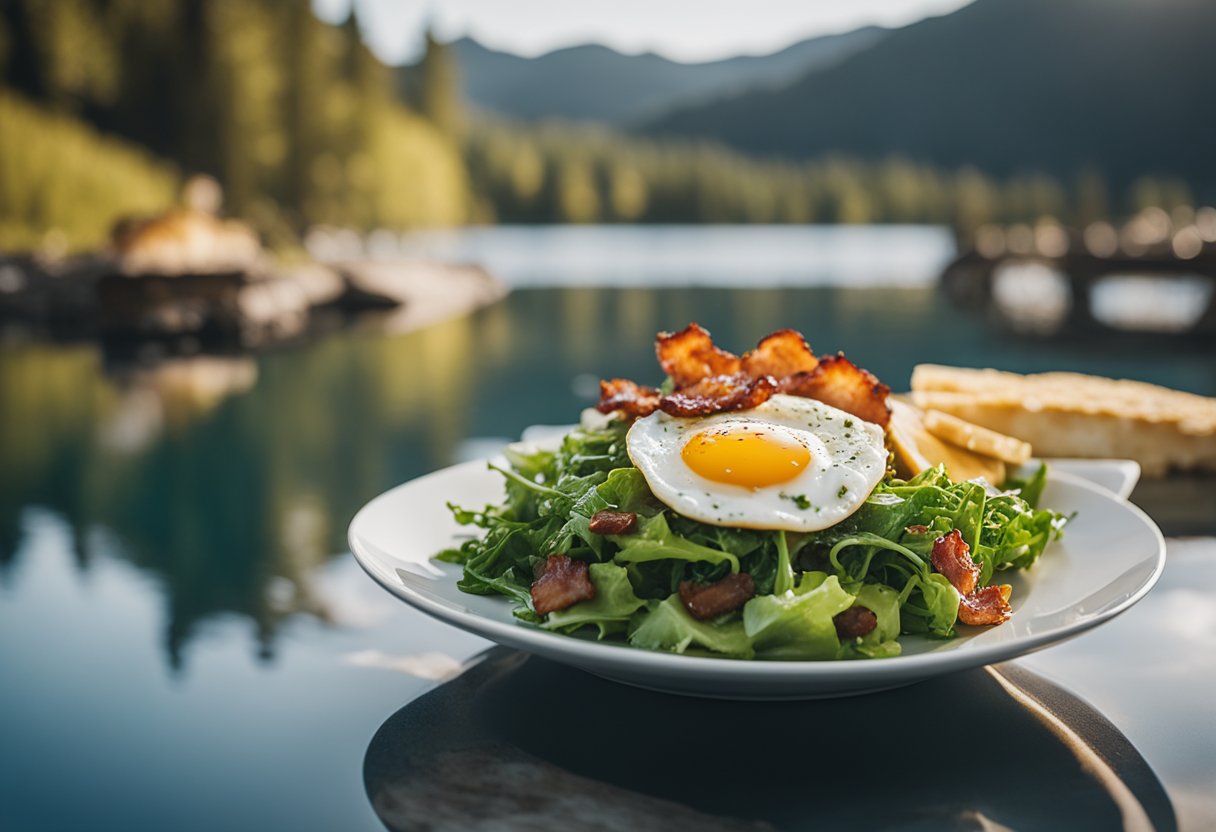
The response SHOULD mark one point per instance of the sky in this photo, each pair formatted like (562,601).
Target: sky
(684,30)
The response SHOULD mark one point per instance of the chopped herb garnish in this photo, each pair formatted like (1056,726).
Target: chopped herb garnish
(799,500)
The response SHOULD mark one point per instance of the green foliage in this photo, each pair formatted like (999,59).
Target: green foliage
(666,625)
(439,88)
(797,623)
(610,610)
(303,125)
(564,172)
(296,118)
(61,176)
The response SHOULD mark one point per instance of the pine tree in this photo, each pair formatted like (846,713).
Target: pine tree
(439,98)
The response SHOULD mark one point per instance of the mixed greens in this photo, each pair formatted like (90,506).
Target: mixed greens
(878,558)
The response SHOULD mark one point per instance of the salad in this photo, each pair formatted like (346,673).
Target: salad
(772,527)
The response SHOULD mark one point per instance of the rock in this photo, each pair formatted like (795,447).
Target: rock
(237,307)
(60,295)
(425,293)
(156,305)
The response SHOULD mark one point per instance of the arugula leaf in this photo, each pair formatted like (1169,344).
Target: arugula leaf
(1031,488)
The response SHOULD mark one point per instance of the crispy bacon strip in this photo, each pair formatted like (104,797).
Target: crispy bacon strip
(613,522)
(841,383)
(627,396)
(708,380)
(717,394)
(855,622)
(989,605)
(780,355)
(690,355)
(562,583)
(706,601)
(952,557)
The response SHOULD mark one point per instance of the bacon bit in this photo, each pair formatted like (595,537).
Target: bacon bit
(690,355)
(842,384)
(916,529)
(855,622)
(613,522)
(706,601)
(952,557)
(627,396)
(989,605)
(717,394)
(562,583)
(780,355)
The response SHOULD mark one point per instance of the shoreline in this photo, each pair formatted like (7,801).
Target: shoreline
(88,299)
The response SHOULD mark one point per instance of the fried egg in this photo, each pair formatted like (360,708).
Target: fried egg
(791,463)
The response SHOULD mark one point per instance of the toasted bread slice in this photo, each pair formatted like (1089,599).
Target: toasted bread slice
(975,438)
(1076,415)
(917,449)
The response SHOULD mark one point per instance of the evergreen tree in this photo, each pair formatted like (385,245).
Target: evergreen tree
(439,88)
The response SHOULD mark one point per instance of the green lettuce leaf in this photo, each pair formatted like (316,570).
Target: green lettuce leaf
(666,625)
(610,610)
(624,489)
(882,641)
(931,606)
(654,540)
(797,624)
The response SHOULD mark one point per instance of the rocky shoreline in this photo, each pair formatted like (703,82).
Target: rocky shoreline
(90,297)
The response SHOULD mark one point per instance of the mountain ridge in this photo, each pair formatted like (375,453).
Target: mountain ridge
(603,84)
(1063,86)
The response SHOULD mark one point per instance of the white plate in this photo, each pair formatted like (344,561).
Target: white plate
(1110,556)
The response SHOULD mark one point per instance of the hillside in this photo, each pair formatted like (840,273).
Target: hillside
(1117,86)
(58,173)
(596,83)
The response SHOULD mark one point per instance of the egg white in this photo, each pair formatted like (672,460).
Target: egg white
(848,459)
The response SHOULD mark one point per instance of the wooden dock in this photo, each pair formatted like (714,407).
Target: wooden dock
(971,282)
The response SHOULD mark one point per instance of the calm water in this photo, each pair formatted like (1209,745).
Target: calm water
(184,642)
(652,255)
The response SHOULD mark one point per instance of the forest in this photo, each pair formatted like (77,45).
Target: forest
(107,105)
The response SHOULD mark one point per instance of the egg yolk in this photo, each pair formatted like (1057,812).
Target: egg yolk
(748,456)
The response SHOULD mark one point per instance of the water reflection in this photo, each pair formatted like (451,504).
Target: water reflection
(527,743)
(230,479)
(171,395)
(231,494)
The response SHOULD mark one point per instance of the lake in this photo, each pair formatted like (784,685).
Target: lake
(675,255)
(186,642)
